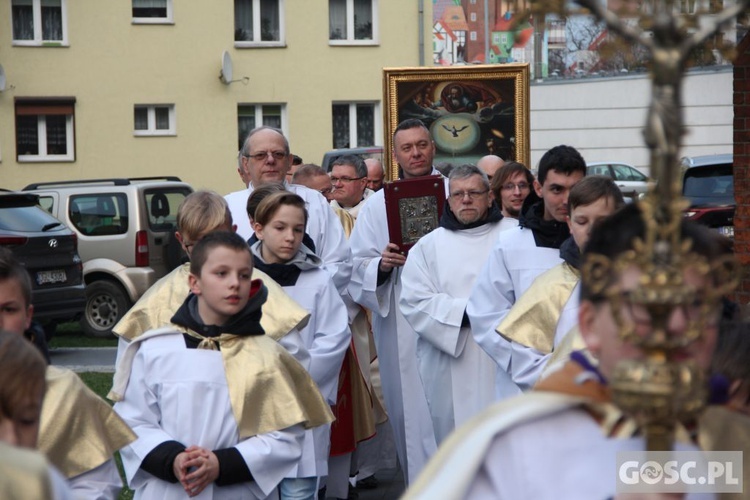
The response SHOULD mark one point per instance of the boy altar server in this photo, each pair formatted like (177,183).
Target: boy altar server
(219,408)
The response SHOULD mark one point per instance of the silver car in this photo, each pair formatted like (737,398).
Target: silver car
(631,181)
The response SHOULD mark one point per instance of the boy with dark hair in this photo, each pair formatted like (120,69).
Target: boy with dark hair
(520,255)
(216,404)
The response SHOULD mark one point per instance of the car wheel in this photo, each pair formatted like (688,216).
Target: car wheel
(106,304)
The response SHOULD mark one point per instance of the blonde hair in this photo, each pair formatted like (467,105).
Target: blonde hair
(22,370)
(202,212)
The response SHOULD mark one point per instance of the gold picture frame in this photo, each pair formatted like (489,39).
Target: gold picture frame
(471,111)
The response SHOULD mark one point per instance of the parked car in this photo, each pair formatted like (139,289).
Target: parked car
(708,183)
(632,182)
(126,240)
(48,250)
(363,152)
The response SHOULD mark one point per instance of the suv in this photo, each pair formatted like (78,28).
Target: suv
(126,239)
(48,251)
(364,153)
(708,183)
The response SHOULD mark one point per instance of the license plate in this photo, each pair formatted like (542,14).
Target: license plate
(57,276)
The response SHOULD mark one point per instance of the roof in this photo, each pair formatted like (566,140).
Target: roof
(455,18)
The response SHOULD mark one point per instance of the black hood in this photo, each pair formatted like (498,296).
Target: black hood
(570,253)
(547,233)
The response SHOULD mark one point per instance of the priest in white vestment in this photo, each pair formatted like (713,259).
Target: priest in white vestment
(458,376)
(376,284)
(265,158)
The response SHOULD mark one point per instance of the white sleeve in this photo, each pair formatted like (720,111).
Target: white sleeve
(331,337)
(332,246)
(490,300)
(433,314)
(295,345)
(140,410)
(100,483)
(526,365)
(367,246)
(271,456)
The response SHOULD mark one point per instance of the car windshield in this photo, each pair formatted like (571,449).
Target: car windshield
(26,219)
(717,189)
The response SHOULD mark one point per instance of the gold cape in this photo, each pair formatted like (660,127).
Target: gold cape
(24,474)
(268,389)
(532,320)
(79,431)
(156,307)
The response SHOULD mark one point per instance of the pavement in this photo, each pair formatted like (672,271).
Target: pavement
(102,359)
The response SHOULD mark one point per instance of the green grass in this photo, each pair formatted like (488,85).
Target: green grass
(70,335)
(101,383)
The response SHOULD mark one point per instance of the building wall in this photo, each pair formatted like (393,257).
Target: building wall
(111,64)
(741,96)
(604,117)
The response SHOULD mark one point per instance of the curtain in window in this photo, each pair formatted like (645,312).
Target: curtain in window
(340,126)
(52,28)
(363,19)
(140,118)
(162,118)
(23,20)
(269,20)
(149,8)
(337,19)
(243,20)
(27,135)
(272,116)
(245,123)
(365,125)
(57,143)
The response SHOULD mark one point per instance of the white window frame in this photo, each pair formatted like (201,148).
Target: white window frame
(259,113)
(473,36)
(42,140)
(169,19)
(349,40)
(152,131)
(473,17)
(377,133)
(256,29)
(37,41)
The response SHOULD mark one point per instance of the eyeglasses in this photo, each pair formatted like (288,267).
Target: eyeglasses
(521,186)
(345,180)
(474,195)
(326,191)
(262,155)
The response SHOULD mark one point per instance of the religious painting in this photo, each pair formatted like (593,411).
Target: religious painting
(471,111)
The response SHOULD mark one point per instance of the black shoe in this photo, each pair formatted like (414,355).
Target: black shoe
(368,483)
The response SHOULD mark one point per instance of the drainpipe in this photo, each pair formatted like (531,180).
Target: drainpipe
(486,32)
(421,32)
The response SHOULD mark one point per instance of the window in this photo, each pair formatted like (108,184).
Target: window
(100,214)
(258,22)
(473,17)
(352,21)
(250,116)
(39,22)
(354,125)
(44,129)
(154,119)
(473,36)
(152,11)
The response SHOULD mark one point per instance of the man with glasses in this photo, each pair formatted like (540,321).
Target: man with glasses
(376,284)
(349,178)
(458,376)
(315,178)
(265,158)
(522,254)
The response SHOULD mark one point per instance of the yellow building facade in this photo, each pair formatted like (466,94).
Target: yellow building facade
(132,88)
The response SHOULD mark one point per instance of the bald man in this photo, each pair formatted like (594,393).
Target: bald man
(374,174)
(489,165)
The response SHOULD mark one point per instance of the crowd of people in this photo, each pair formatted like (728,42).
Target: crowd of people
(299,350)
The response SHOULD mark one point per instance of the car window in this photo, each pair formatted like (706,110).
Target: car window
(99,214)
(599,170)
(28,218)
(162,205)
(636,175)
(46,202)
(716,185)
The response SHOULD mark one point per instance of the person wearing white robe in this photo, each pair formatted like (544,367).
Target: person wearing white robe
(522,254)
(458,376)
(323,226)
(376,284)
